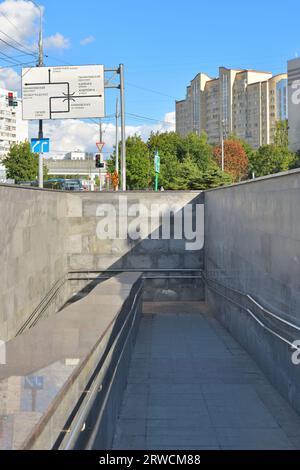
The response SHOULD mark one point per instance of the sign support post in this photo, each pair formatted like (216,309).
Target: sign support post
(117,139)
(123,130)
(157,170)
(41,133)
(121,87)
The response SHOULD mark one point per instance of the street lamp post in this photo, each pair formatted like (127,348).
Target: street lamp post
(223,146)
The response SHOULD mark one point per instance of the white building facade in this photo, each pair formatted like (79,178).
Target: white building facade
(13,129)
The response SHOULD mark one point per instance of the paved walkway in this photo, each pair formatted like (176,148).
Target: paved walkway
(191,386)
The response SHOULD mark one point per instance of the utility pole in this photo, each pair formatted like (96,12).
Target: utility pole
(123,130)
(40,63)
(223,154)
(121,87)
(117,137)
(223,148)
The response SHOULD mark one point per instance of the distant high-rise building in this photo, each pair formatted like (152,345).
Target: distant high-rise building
(184,121)
(294,104)
(246,103)
(12,127)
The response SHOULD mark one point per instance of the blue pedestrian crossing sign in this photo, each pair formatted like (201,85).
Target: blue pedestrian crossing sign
(40,145)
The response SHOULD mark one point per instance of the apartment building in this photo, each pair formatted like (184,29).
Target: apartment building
(12,128)
(294,104)
(184,120)
(246,103)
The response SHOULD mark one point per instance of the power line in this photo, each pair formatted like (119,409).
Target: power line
(17,48)
(110,116)
(151,91)
(137,116)
(15,65)
(8,59)
(64,62)
(10,21)
(18,43)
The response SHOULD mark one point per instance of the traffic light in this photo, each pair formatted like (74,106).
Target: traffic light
(99,161)
(11,100)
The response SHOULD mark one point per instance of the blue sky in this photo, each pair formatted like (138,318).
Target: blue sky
(163,45)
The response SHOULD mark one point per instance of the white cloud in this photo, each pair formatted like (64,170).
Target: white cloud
(19,19)
(87,40)
(57,41)
(73,134)
(9,79)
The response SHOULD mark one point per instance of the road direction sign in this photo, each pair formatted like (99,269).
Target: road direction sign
(63,92)
(40,145)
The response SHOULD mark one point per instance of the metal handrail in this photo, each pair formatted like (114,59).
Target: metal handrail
(40,310)
(292,325)
(262,324)
(255,302)
(97,386)
(51,295)
(135,270)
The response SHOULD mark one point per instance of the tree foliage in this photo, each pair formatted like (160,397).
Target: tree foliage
(270,159)
(139,165)
(235,159)
(21,164)
(186,163)
(282,134)
(191,163)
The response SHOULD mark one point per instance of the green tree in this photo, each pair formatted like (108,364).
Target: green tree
(198,148)
(140,168)
(21,164)
(171,151)
(186,163)
(188,175)
(270,159)
(282,134)
(214,177)
(296,163)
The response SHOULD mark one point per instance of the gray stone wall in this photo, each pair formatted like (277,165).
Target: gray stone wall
(252,244)
(86,251)
(33,259)
(46,234)
(253,239)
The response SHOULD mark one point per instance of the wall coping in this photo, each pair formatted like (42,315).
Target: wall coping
(94,194)
(257,180)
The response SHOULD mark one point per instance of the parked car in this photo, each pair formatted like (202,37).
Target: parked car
(73,185)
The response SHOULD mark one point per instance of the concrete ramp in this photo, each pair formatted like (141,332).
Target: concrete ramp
(191,386)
